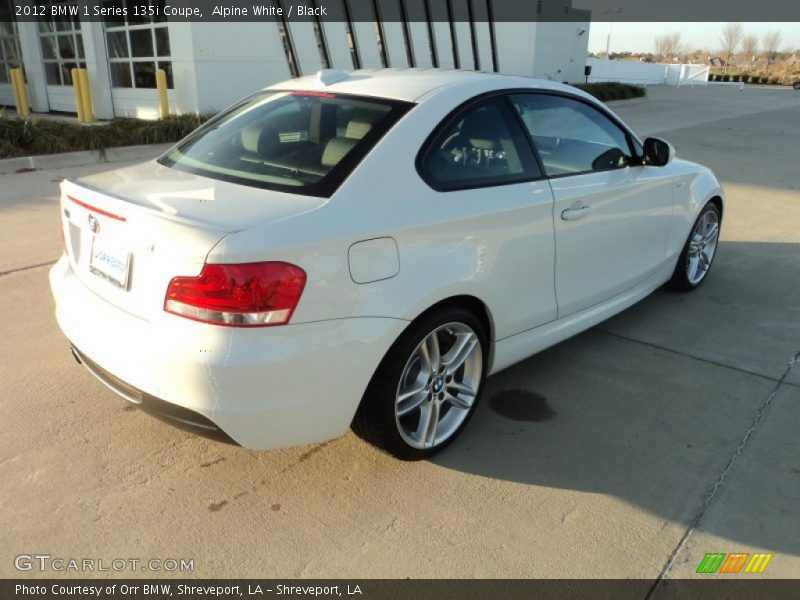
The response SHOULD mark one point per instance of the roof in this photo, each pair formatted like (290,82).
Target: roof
(410,85)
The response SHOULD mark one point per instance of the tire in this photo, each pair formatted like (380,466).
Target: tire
(796,85)
(406,370)
(699,251)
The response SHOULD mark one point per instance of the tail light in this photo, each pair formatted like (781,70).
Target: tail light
(239,295)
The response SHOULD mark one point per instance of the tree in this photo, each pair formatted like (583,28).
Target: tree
(771,41)
(730,40)
(668,45)
(749,49)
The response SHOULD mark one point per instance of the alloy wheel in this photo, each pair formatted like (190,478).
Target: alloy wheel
(702,247)
(439,385)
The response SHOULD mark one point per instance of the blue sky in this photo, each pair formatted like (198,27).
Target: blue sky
(638,37)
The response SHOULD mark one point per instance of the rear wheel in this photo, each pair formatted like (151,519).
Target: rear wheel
(427,386)
(699,251)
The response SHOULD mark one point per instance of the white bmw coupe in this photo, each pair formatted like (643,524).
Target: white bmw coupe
(364,249)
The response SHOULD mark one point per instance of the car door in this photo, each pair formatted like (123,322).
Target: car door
(483,168)
(611,214)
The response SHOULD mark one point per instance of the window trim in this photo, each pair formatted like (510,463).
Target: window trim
(630,136)
(329,183)
(451,118)
(506,94)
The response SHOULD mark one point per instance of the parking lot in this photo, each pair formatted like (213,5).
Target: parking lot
(629,451)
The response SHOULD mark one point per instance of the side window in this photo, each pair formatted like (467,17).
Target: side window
(481,146)
(571,136)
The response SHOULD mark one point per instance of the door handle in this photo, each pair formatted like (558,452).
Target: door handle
(573,214)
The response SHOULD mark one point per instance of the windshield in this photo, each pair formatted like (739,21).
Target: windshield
(304,142)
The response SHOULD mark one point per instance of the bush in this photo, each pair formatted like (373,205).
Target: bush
(726,78)
(773,81)
(735,78)
(612,90)
(26,137)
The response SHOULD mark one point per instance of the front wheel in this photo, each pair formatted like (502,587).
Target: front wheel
(427,386)
(698,251)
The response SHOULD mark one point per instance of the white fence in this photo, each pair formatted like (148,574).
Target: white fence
(625,71)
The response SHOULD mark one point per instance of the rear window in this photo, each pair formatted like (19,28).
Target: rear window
(300,142)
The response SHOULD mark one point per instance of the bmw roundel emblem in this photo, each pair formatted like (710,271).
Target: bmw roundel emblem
(94,224)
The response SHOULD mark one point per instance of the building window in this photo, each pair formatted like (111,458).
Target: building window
(380,37)
(453,37)
(9,45)
(322,44)
(473,36)
(407,35)
(62,44)
(350,36)
(286,41)
(431,37)
(492,40)
(137,46)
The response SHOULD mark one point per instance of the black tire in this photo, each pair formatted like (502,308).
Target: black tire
(375,420)
(796,85)
(680,278)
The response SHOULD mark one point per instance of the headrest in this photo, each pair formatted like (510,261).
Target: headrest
(260,140)
(357,129)
(336,149)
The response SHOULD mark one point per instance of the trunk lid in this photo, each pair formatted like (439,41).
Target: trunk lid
(128,232)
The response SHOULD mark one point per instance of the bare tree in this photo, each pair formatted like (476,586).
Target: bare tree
(749,49)
(669,44)
(730,40)
(771,41)
(660,44)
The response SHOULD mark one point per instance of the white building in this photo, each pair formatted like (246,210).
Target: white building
(209,65)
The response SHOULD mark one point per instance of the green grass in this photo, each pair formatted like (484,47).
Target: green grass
(26,137)
(612,91)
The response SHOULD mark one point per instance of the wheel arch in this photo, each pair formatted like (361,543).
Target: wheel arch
(717,201)
(474,305)
(466,301)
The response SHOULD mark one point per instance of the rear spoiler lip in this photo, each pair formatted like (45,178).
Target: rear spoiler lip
(147,208)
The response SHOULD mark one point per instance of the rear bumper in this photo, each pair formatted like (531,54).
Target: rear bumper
(261,388)
(172,414)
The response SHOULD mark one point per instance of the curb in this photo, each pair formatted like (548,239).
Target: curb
(80,159)
(627,102)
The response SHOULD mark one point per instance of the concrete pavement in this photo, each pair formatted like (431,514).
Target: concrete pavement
(628,451)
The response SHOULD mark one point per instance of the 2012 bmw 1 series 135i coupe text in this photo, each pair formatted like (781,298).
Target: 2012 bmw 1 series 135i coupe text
(363,249)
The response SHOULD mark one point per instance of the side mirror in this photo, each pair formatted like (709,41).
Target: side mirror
(658,152)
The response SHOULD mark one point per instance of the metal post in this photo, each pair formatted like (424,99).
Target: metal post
(610,12)
(15,89)
(86,95)
(25,105)
(161,86)
(76,85)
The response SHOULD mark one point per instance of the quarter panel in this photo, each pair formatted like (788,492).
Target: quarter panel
(493,243)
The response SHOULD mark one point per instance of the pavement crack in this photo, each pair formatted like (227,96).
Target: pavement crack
(714,491)
(692,356)
(28,268)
